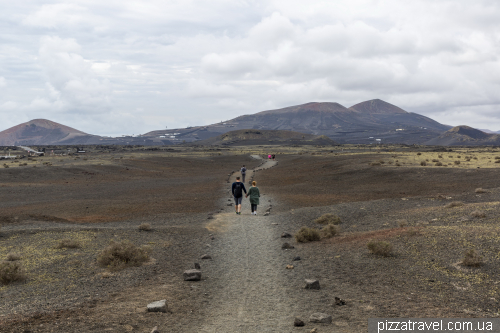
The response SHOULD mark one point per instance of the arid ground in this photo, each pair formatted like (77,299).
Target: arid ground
(381,194)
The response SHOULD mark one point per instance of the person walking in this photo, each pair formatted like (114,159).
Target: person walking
(243,173)
(238,188)
(254,194)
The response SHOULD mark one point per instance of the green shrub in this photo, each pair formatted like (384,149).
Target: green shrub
(329,231)
(119,255)
(380,248)
(472,259)
(68,244)
(11,271)
(328,219)
(306,234)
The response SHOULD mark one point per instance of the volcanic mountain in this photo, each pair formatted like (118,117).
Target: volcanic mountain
(361,123)
(465,136)
(266,137)
(42,132)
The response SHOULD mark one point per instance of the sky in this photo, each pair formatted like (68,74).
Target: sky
(122,67)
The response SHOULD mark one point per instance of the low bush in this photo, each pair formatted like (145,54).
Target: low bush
(68,244)
(306,234)
(472,259)
(435,160)
(423,163)
(478,214)
(329,231)
(402,223)
(328,219)
(11,271)
(497,157)
(145,227)
(419,154)
(497,161)
(119,255)
(480,190)
(375,163)
(380,248)
(13,256)
(454,204)
(438,164)
(457,162)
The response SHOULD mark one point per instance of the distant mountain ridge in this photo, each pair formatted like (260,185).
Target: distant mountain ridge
(465,136)
(361,123)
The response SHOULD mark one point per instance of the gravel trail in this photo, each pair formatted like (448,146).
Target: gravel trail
(245,278)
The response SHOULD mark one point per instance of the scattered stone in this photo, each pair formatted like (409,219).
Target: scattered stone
(314,330)
(287,246)
(298,323)
(197,266)
(155,330)
(286,235)
(297,258)
(210,217)
(158,306)
(206,256)
(192,275)
(319,317)
(212,237)
(274,224)
(266,214)
(289,266)
(312,284)
(230,204)
(339,301)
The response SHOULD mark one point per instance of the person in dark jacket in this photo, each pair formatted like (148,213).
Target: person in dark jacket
(243,174)
(238,188)
(254,194)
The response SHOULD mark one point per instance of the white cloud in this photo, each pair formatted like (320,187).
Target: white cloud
(190,62)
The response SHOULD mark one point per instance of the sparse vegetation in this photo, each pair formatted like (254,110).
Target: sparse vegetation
(480,190)
(402,223)
(454,204)
(457,162)
(380,248)
(423,163)
(472,259)
(438,164)
(435,160)
(11,271)
(478,214)
(13,256)
(68,244)
(375,163)
(306,234)
(329,231)
(328,219)
(419,154)
(145,227)
(119,255)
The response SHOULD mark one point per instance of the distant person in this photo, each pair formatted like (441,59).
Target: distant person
(269,156)
(254,194)
(238,188)
(243,173)
(274,157)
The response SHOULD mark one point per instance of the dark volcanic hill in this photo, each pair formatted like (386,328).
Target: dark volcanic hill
(362,123)
(465,136)
(42,132)
(266,137)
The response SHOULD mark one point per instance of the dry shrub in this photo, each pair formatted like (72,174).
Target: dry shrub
(375,163)
(497,157)
(68,244)
(11,271)
(329,231)
(145,227)
(397,164)
(497,161)
(402,223)
(306,234)
(380,248)
(454,204)
(328,219)
(459,156)
(423,163)
(419,154)
(457,162)
(472,259)
(119,255)
(478,214)
(480,190)
(13,256)
(440,156)
(435,160)
(438,164)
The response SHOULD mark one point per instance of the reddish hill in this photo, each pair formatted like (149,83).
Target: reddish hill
(41,132)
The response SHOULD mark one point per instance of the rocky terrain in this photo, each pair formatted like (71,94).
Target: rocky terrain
(252,281)
(465,136)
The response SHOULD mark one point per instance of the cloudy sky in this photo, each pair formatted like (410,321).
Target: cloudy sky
(118,67)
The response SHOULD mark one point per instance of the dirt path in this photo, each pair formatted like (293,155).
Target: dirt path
(245,279)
